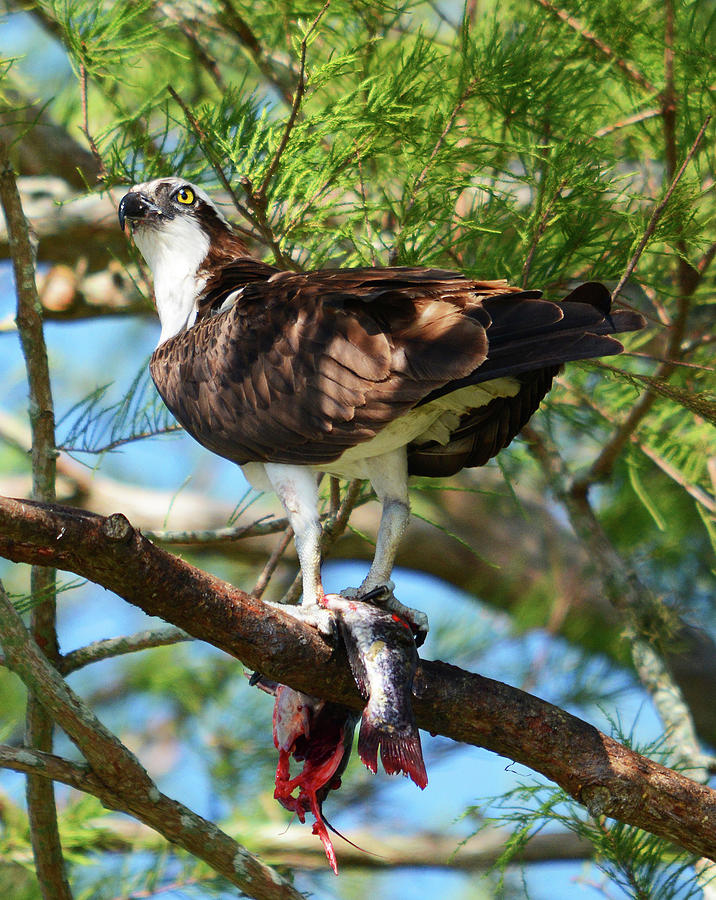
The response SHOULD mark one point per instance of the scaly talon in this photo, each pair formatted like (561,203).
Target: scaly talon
(311,614)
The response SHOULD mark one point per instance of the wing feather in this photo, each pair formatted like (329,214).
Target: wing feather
(304,367)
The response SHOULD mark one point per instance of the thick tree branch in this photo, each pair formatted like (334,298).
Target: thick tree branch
(500,579)
(596,770)
(123,783)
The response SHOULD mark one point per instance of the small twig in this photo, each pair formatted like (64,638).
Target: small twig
(113,647)
(700,496)
(706,260)
(604,462)
(642,116)
(201,135)
(272,562)
(542,227)
(364,202)
(335,489)
(231,19)
(102,171)
(418,183)
(49,766)
(668,96)
(540,230)
(259,528)
(628,68)
(258,220)
(200,52)
(120,442)
(260,195)
(658,210)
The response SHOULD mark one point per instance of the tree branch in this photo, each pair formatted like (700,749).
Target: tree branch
(260,195)
(643,617)
(438,544)
(659,209)
(42,812)
(418,183)
(601,46)
(608,778)
(602,465)
(39,145)
(299,849)
(125,784)
(267,63)
(113,647)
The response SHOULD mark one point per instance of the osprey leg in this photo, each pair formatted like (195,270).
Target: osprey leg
(297,489)
(388,474)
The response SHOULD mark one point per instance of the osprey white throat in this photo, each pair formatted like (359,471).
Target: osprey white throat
(174,253)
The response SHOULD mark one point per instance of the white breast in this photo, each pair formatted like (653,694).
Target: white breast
(174,253)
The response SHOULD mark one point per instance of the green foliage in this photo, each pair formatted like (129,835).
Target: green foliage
(93,426)
(506,145)
(641,865)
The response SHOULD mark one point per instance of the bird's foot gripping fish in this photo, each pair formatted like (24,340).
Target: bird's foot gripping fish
(319,734)
(383,657)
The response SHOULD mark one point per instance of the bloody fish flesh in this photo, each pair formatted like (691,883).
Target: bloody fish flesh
(319,734)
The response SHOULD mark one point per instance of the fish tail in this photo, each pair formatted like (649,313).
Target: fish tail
(399,751)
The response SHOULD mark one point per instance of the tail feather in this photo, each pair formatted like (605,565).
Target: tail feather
(399,751)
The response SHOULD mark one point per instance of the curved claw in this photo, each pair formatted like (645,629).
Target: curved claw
(382,595)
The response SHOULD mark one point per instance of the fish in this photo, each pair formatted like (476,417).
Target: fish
(319,734)
(383,658)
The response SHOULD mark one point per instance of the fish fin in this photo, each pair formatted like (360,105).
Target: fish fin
(369,738)
(399,752)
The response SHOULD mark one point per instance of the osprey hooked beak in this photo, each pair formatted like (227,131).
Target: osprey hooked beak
(134,207)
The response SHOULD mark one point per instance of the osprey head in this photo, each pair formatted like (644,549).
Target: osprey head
(182,236)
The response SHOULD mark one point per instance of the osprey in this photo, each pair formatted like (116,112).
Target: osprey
(377,373)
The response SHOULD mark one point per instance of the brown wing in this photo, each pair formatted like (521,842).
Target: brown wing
(532,349)
(230,277)
(305,366)
(484,431)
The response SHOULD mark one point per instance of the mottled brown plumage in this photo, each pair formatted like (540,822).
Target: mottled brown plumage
(304,366)
(371,373)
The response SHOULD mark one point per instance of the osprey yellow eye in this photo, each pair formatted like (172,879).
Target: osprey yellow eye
(185,195)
